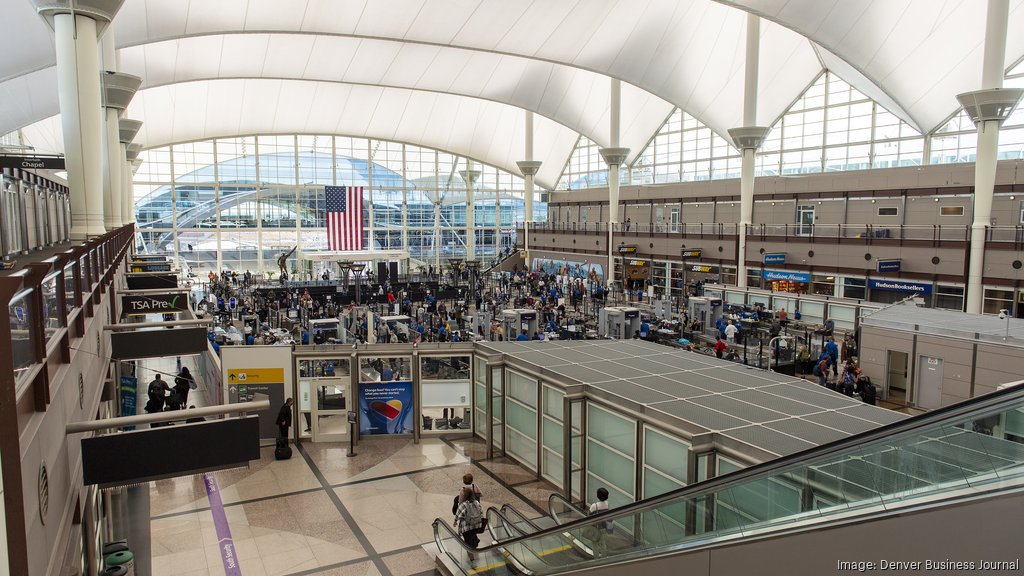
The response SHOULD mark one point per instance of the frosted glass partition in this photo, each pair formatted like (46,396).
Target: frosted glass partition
(784,303)
(480,396)
(812,312)
(761,299)
(665,469)
(843,315)
(497,403)
(521,418)
(665,462)
(733,297)
(611,455)
(552,441)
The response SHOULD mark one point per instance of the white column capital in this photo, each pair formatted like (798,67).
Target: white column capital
(992,104)
(748,137)
(469,176)
(529,167)
(102,11)
(127,129)
(118,89)
(614,156)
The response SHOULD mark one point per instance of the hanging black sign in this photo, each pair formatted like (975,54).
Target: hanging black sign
(692,252)
(32,162)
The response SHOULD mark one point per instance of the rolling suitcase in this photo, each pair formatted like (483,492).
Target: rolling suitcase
(283,450)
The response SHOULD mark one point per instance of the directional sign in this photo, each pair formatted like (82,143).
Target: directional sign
(32,162)
(153,304)
(256,375)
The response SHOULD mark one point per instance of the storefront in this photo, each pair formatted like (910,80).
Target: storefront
(786,281)
(888,291)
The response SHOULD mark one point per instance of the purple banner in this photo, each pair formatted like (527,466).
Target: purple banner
(220,522)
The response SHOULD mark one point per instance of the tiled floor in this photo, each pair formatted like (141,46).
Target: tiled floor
(323,513)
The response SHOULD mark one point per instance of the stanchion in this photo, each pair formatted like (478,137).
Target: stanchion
(351,434)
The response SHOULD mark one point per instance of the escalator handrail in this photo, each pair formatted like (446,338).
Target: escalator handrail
(568,503)
(1014,391)
(521,516)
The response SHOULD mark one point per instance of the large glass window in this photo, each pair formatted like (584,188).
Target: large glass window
(217,202)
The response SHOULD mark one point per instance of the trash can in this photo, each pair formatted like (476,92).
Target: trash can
(115,546)
(123,559)
(115,571)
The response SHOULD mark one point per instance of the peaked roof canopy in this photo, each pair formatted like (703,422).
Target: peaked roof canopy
(457,74)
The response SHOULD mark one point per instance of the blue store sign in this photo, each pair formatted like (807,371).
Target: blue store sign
(783,275)
(888,265)
(774,258)
(900,286)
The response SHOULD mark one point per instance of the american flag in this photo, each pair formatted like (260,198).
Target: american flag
(344,217)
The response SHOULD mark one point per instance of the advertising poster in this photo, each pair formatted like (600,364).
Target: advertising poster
(385,407)
(129,395)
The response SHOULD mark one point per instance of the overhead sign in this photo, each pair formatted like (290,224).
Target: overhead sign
(627,248)
(32,162)
(153,304)
(703,268)
(150,266)
(637,263)
(887,265)
(126,345)
(691,252)
(773,258)
(900,286)
(151,281)
(779,275)
(255,375)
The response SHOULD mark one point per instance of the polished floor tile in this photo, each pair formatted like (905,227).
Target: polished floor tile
(327,514)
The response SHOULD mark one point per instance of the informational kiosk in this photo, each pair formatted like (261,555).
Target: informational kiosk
(516,322)
(619,322)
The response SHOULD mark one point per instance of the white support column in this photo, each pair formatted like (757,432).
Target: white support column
(988,108)
(78,88)
(748,139)
(470,176)
(112,171)
(529,168)
(614,156)
(127,130)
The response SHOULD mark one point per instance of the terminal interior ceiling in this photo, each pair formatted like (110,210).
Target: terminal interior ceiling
(662,256)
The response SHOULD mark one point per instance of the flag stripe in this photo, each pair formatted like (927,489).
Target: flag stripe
(344,217)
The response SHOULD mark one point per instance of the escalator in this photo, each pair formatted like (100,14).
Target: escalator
(954,457)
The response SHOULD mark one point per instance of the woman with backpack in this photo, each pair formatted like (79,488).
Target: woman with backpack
(469,519)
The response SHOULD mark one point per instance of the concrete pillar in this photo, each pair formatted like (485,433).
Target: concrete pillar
(748,139)
(529,168)
(117,90)
(126,133)
(470,176)
(614,156)
(78,87)
(988,109)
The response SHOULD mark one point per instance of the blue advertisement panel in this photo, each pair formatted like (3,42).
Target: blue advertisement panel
(774,258)
(129,396)
(385,407)
(900,286)
(786,275)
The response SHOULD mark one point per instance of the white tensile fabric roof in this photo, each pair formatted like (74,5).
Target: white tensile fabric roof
(458,74)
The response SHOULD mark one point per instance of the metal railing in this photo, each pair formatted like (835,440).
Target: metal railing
(47,305)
